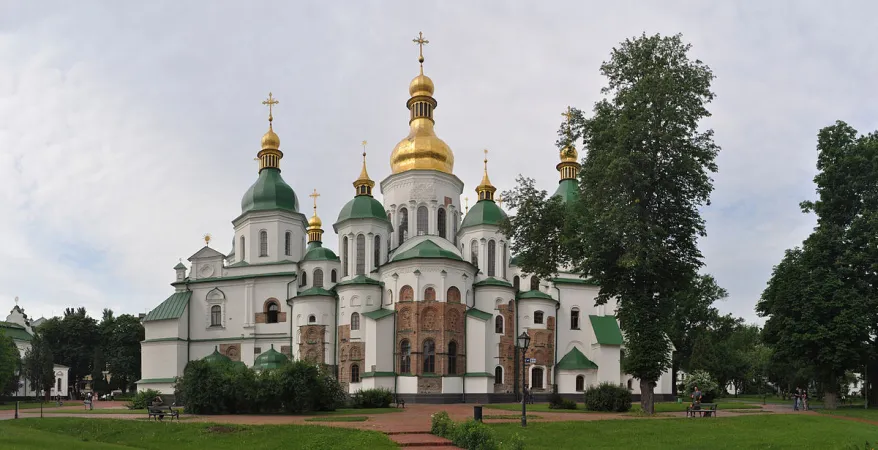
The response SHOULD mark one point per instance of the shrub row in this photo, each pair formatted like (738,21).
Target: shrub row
(142,399)
(471,435)
(558,402)
(372,398)
(608,397)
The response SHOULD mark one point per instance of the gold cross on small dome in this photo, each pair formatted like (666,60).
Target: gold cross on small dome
(314,195)
(421,43)
(270,101)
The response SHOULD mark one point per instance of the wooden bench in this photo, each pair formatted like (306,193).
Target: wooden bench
(159,412)
(400,403)
(703,410)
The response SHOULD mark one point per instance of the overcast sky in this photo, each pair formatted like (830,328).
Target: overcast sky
(128,129)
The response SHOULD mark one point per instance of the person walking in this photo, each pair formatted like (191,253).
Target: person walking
(804,399)
(797,395)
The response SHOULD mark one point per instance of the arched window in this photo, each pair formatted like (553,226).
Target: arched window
(403,225)
(243,249)
(453,295)
(538,317)
(498,324)
(333,276)
(59,387)
(430,294)
(454,228)
(505,262)
(474,252)
(271,313)
(580,383)
(452,358)
(422,220)
(406,294)
(574,319)
(516,283)
(288,243)
(355,373)
(318,278)
(377,252)
(216,316)
(405,356)
(492,258)
(355,321)
(312,319)
(498,375)
(344,256)
(304,279)
(536,378)
(429,356)
(263,243)
(629,384)
(361,254)
(534,283)
(440,222)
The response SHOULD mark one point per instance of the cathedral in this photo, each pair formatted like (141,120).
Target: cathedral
(423,297)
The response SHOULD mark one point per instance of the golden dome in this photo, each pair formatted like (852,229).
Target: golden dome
(485,189)
(270,141)
(421,86)
(364,184)
(421,149)
(315,222)
(569,154)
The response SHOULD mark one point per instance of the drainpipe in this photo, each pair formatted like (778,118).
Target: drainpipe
(515,356)
(557,329)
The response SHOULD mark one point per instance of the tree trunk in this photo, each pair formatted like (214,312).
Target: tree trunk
(830,400)
(647,400)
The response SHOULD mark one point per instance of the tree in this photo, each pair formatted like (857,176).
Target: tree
(38,365)
(123,357)
(634,227)
(10,363)
(74,339)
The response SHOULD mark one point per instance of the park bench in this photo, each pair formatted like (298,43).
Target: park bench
(703,410)
(159,412)
(399,401)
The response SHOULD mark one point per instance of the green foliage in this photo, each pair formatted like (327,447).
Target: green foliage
(558,402)
(372,398)
(474,435)
(709,388)
(232,388)
(441,424)
(9,365)
(142,399)
(608,397)
(38,365)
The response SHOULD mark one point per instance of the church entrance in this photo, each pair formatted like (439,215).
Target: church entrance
(536,378)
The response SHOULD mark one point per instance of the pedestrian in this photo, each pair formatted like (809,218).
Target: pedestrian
(797,395)
(804,399)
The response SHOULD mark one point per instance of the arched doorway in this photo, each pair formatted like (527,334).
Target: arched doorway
(536,378)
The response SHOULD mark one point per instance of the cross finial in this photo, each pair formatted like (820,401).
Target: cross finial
(16,300)
(270,101)
(421,43)
(499,200)
(466,203)
(568,115)
(207,239)
(364,150)
(314,195)
(486,160)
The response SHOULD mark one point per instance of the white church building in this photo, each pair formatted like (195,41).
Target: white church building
(423,297)
(21,329)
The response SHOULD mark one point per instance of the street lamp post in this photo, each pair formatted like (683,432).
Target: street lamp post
(523,342)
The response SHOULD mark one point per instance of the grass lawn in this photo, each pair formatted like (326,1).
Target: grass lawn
(679,407)
(338,419)
(659,407)
(852,411)
(536,407)
(762,431)
(10,406)
(98,411)
(75,434)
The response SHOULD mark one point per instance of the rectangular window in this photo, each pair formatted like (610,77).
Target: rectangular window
(574,319)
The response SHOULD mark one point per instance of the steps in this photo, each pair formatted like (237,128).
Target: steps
(423,440)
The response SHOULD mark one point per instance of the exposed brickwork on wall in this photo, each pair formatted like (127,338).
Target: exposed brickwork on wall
(431,385)
(507,349)
(233,351)
(262,317)
(542,347)
(312,343)
(350,353)
(287,350)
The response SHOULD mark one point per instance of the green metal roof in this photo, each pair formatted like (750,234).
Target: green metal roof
(379,313)
(493,282)
(216,356)
(362,207)
(269,192)
(317,252)
(568,190)
(427,249)
(479,314)
(235,277)
(484,212)
(574,281)
(179,266)
(535,294)
(172,308)
(359,279)
(272,359)
(575,360)
(315,291)
(15,331)
(606,330)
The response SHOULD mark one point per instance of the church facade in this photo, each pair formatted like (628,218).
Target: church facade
(423,297)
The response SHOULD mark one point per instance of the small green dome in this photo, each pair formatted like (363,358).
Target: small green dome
(272,359)
(485,212)
(216,357)
(317,252)
(567,190)
(362,207)
(269,192)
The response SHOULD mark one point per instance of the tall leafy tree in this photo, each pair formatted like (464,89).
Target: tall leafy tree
(124,356)
(634,227)
(38,365)
(74,340)
(9,364)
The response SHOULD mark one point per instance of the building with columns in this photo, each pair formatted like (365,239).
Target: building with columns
(422,298)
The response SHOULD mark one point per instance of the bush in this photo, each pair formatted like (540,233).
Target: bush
(372,398)
(143,399)
(705,382)
(563,404)
(608,397)
(441,425)
(473,435)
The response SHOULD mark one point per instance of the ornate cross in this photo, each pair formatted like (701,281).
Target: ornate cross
(314,195)
(421,43)
(486,159)
(270,101)
(364,149)
(567,115)
(499,200)
(466,199)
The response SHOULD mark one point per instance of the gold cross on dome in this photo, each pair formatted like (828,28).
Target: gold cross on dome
(314,195)
(567,115)
(466,199)
(270,101)
(486,158)
(421,43)
(499,200)
(364,148)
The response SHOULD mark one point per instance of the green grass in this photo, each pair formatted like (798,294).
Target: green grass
(679,407)
(536,407)
(659,407)
(10,406)
(510,416)
(75,434)
(753,431)
(338,419)
(849,411)
(98,411)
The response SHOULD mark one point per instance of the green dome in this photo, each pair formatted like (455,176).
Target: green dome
(316,252)
(269,192)
(216,357)
(485,212)
(567,190)
(272,359)
(362,207)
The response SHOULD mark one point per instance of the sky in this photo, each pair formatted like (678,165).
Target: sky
(128,129)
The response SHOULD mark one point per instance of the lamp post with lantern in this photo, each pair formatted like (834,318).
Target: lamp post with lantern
(523,342)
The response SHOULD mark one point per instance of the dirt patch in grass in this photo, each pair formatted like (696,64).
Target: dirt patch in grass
(222,429)
(338,419)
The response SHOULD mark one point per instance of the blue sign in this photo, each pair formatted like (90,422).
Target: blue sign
(530,360)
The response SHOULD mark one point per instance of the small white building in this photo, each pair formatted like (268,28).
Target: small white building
(21,330)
